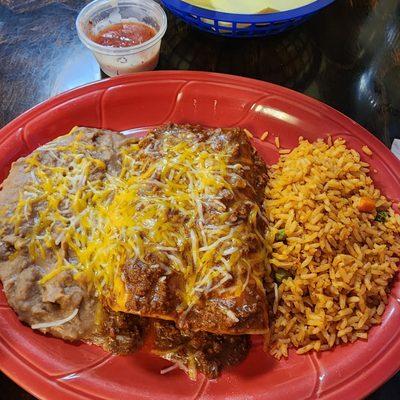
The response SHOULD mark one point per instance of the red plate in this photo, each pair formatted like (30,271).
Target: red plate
(50,368)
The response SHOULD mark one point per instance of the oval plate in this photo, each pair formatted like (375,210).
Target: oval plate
(50,368)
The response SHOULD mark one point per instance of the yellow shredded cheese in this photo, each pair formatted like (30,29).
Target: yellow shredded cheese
(94,221)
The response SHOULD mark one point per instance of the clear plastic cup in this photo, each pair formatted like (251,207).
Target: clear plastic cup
(99,14)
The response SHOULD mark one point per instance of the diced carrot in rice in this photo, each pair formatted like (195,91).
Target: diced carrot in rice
(366,204)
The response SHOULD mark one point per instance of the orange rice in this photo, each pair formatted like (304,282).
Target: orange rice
(337,261)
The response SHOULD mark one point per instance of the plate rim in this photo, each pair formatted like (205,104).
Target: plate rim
(20,372)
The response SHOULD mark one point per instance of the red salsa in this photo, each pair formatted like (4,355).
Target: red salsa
(124,34)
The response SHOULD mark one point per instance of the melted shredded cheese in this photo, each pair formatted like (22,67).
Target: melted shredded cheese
(165,200)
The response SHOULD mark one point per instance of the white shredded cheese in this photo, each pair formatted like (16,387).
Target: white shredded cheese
(230,251)
(232,316)
(217,242)
(165,248)
(44,325)
(226,278)
(276,299)
(169,369)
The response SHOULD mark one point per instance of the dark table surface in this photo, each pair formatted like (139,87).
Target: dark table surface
(347,56)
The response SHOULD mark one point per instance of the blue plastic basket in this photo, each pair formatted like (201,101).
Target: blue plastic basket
(243,25)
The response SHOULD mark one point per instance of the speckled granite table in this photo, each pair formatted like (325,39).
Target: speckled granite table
(348,56)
